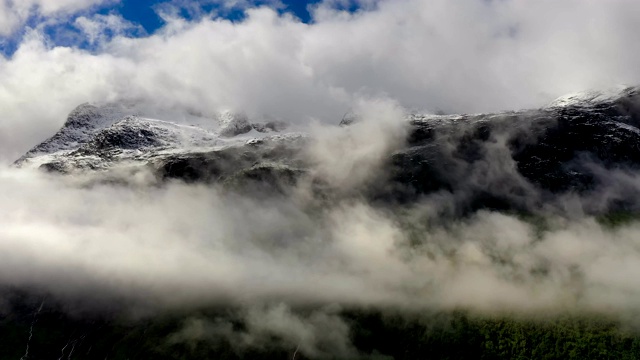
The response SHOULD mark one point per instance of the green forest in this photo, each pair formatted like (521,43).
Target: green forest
(373,334)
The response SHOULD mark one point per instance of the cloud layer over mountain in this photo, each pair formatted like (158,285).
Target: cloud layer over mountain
(468,56)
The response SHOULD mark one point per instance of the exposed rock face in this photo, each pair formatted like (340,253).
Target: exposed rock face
(81,125)
(508,160)
(280,154)
(514,160)
(270,126)
(234,124)
(349,118)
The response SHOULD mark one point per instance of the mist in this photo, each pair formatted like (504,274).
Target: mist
(177,244)
(122,238)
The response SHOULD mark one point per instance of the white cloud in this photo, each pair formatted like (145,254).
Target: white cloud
(465,56)
(48,7)
(95,27)
(15,12)
(181,245)
(209,8)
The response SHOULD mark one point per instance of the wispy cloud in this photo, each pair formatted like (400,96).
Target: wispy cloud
(14,14)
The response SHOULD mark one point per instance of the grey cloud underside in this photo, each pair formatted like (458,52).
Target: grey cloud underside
(516,161)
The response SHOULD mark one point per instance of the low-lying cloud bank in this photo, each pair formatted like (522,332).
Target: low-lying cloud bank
(179,244)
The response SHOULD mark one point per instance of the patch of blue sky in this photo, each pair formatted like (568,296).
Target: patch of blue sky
(145,16)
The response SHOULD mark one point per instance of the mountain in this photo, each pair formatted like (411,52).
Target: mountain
(514,160)
(580,155)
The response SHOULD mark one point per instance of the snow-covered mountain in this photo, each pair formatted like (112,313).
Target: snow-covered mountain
(103,136)
(502,160)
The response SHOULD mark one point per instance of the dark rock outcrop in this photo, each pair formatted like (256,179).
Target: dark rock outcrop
(509,160)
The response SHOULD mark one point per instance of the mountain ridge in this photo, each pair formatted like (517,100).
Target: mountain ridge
(502,160)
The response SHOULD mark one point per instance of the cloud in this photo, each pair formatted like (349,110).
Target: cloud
(15,13)
(321,334)
(210,8)
(182,246)
(469,56)
(347,158)
(98,28)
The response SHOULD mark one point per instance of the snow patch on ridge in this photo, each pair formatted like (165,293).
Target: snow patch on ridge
(97,136)
(591,97)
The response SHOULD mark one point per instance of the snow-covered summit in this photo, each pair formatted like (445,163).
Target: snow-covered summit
(81,125)
(591,97)
(96,134)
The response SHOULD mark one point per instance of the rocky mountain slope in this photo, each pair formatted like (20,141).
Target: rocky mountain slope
(512,160)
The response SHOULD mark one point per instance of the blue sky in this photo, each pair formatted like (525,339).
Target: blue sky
(145,14)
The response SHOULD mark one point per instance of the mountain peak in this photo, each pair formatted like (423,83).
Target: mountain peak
(591,97)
